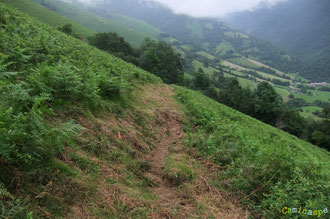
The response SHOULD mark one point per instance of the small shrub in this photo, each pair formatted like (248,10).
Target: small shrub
(14,210)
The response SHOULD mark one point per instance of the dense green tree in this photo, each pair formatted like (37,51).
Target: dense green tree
(267,103)
(318,132)
(202,80)
(290,121)
(233,95)
(326,111)
(116,45)
(162,60)
(67,29)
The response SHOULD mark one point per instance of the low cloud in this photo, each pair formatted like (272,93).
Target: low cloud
(215,8)
(204,8)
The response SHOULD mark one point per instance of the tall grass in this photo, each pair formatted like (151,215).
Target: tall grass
(267,168)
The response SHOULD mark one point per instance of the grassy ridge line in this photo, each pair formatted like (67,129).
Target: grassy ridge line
(100,24)
(137,25)
(47,16)
(266,167)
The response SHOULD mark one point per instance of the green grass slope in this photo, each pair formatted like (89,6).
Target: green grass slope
(267,168)
(48,80)
(137,26)
(42,67)
(47,15)
(78,132)
(132,30)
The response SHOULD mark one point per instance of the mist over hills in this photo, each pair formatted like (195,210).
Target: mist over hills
(200,33)
(301,27)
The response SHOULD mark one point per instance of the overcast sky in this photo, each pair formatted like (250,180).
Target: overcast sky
(208,8)
(213,8)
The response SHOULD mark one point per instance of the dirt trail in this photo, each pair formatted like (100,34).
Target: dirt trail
(172,134)
(178,180)
(176,201)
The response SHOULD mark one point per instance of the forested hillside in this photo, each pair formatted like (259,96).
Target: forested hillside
(301,27)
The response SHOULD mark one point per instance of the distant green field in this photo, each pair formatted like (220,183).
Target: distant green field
(236,72)
(47,16)
(283,92)
(320,95)
(98,24)
(247,83)
(210,70)
(243,62)
(187,47)
(308,111)
(137,25)
(312,109)
(240,68)
(266,75)
(266,66)
(234,66)
(223,47)
(205,54)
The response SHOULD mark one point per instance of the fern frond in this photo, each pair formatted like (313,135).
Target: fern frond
(4,193)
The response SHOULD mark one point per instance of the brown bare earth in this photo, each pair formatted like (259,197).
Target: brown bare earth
(174,183)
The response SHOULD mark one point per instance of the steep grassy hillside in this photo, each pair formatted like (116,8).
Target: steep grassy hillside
(84,134)
(48,80)
(134,31)
(48,16)
(269,169)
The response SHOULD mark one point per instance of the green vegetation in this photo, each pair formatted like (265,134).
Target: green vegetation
(309,110)
(243,62)
(47,16)
(319,95)
(161,59)
(136,25)
(259,162)
(78,125)
(247,83)
(205,54)
(178,169)
(223,47)
(41,73)
(116,45)
(47,78)
(99,24)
